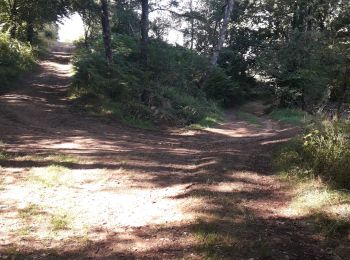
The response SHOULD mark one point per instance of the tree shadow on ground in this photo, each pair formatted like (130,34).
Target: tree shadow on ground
(224,172)
(238,217)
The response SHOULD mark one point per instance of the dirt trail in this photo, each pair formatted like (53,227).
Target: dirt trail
(121,192)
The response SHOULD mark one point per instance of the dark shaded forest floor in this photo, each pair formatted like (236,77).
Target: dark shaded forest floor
(75,186)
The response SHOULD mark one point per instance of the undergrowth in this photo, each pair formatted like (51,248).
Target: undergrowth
(291,116)
(15,58)
(207,122)
(166,91)
(318,165)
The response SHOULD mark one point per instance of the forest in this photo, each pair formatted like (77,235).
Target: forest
(175,129)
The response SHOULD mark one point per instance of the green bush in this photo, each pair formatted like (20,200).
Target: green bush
(166,91)
(15,59)
(327,151)
(323,152)
(221,88)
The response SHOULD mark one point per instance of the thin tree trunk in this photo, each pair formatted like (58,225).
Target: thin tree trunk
(218,47)
(309,19)
(192,25)
(106,29)
(144,30)
(86,29)
(30,32)
(223,30)
(13,30)
(86,37)
(345,93)
(146,96)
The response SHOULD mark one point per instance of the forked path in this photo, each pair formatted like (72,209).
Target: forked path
(76,186)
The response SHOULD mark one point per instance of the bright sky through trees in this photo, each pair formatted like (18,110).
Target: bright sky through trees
(71,28)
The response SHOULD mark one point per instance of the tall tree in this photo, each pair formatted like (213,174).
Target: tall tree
(192,25)
(144,30)
(228,9)
(222,34)
(13,14)
(106,30)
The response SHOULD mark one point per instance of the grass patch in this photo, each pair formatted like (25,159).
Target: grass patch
(3,154)
(315,198)
(326,208)
(29,215)
(33,214)
(291,116)
(250,118)
(31,210)
(63,158)
(10,251)
(139,123)
(213,243)
(24,231)
(207,122)
(218,240)
(60,222)
(51,176)
(58,158)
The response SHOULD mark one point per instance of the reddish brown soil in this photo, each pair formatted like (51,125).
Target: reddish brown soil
(142,194)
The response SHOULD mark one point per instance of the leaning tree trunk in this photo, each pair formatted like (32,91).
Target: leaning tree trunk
(218,47)
(144,30)
(106,30)
(223,30)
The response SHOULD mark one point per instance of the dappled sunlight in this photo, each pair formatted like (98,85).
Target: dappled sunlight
(72,184)
(93,200)
(314,198)
(240,132)
(15,98)
(68,146)
(51,66)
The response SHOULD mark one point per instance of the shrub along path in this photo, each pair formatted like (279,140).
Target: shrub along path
(75,186)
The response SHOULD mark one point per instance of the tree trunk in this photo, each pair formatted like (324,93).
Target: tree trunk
(192,25)
(13,31)
(86,37)
(144,30)
(30,32)
(13,15)
(223,30)
(106,29)
(217,48)
(85,27)
(345,93)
